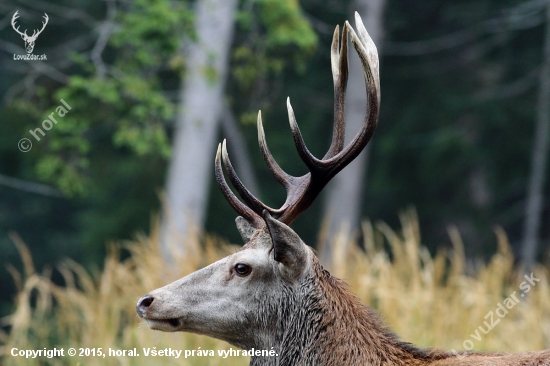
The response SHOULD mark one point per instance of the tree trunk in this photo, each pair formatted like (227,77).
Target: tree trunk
(344,194)
(201,105)
(535,197)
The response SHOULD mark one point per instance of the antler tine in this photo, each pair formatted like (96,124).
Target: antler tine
(281,176)
(255,204)
(43,26)
(339,63)
(335,54)
(252,217)
(13,19)
(46,18)
(370,49)
(368,54)
(311,161)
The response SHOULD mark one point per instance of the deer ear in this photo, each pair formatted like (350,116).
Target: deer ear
(288,248)
(245,228)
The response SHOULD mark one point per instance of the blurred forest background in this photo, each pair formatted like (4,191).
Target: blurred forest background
(154,85)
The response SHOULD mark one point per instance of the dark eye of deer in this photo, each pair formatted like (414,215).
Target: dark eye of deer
(243,269)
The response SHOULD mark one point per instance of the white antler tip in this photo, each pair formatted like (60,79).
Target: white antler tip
(225,154)
(260,124)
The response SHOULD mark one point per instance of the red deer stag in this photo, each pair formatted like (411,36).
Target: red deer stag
(274,293)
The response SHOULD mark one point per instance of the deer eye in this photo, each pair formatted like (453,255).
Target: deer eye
(242,269)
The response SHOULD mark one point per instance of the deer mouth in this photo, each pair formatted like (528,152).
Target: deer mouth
(165,325)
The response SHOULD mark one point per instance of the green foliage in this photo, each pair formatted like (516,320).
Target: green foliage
(275,35)
(286,25)
(151,32)
(67,173)
(126,102)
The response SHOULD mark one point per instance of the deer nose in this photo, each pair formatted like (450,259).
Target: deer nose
(143,305)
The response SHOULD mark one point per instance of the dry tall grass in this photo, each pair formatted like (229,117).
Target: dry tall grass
(427,300)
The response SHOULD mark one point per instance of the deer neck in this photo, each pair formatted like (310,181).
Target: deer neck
(328,325)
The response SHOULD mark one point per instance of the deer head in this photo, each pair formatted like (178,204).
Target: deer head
(29,40)
(252,297)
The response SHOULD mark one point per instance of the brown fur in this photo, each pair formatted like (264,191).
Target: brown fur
(353,334)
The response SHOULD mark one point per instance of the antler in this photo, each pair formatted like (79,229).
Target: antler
(13,19)
(302,191)
(34,36)
(24,34)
